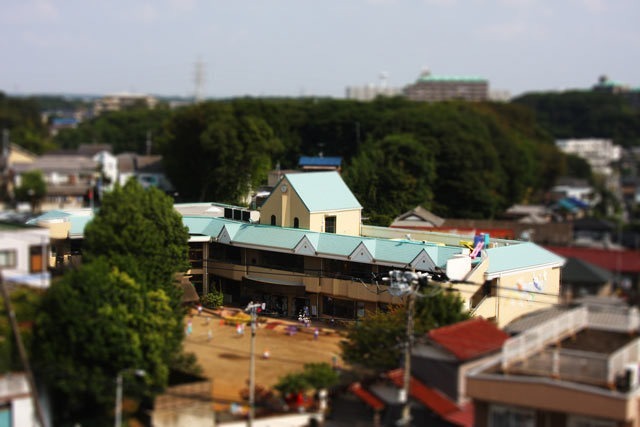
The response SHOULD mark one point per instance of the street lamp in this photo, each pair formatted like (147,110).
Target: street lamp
(253,308)
(137,372)
(405,283)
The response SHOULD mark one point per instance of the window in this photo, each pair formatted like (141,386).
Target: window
(508,416)
(338,308)
(296,222)
(330,224)
(7,258)
(273,220)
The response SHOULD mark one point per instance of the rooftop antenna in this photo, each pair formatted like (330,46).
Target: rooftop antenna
(384,76)
(199,81)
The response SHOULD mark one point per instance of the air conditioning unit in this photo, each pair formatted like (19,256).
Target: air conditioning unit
(632,372)
(628,379)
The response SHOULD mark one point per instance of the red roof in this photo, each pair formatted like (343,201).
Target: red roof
(469,339)
(463,417)
(429,397)
(366,396)
(625,261)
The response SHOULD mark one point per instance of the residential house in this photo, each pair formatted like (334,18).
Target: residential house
(418,218)
(70,179)
(24,254)
(439,363)
(581,278)
(11,156)
(147,169)
(331,263)
(577,368)
(17,408)
(624,264)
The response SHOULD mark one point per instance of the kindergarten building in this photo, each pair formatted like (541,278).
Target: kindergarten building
(307,247)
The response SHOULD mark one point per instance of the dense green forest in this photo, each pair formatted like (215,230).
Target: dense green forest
(464,160)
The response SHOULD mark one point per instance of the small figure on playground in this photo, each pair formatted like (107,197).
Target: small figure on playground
(189,328)
(266,354)
(209,335)
(199,309)
(316,333)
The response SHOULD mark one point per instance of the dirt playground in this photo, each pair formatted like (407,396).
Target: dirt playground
(224,352)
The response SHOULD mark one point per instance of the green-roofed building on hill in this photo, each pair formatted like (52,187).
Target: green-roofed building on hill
(435,88)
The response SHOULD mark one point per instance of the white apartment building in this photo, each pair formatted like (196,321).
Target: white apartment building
(599,153)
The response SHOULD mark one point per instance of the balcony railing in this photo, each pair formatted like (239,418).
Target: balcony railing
(526,354)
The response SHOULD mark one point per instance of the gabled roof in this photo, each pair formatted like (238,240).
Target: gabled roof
(366,396)
(314,187)
(429,397)
(469,339)
(59,163)
(583,272)
(520,256)
(417,216)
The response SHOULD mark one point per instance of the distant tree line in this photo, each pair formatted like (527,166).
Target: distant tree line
(470,160)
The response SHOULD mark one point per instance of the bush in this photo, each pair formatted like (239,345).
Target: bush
(212,299)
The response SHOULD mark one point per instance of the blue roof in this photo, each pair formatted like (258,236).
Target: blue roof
(320,161)
(313,188)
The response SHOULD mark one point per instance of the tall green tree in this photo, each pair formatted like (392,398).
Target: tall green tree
(140,232)
(93,324)
(212,153)
(393,175)
(32,188)
(376,342)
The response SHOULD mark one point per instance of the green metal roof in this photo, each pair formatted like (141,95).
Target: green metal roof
(401,253)
(453,79)
(520,256)
(313,189)
(78,223)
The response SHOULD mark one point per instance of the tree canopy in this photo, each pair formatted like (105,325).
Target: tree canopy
(32,188)
(121,309)
(140,232)
(377,341)
(212,153)
(94,323)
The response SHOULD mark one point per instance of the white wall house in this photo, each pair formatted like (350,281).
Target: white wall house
(16,403)
(24,254)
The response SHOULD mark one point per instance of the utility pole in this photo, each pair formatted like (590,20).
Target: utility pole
(406,410)
(405,283)
(22,352)
(253,309)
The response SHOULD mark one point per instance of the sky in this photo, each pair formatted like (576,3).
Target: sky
(311,47)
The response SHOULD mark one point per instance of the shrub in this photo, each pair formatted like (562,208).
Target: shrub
(212,299)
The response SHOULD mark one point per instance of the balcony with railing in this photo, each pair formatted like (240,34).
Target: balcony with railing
(582,346)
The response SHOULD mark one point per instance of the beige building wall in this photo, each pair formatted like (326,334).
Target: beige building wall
(347,222)
(524,292)
(286,206)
